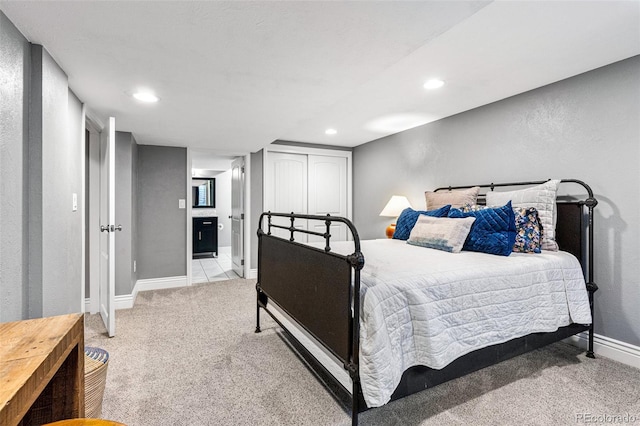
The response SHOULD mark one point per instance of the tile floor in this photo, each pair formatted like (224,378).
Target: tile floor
(208,269)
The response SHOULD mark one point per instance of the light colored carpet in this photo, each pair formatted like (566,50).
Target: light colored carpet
(190,356)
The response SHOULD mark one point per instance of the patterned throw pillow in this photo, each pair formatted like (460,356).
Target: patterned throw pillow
(528,230)
(441,233)
(528,227)
(408,218)
(472,208)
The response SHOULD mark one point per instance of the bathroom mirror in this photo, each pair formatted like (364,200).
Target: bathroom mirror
(203,192)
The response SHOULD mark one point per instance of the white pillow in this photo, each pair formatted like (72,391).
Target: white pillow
(543,198)
(441,233)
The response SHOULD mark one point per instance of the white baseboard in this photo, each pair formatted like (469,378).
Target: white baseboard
(160,283)
(609,348)
(253,273)
(87,306)
(124,301)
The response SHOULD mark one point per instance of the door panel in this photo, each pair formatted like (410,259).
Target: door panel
(107,220)
(237,215)
(286,190)
(328,193)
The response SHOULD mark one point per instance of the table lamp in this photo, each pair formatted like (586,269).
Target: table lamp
(394,207)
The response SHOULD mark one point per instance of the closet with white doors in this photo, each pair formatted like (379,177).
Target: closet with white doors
(308,181)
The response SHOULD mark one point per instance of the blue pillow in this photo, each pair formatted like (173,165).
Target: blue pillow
(407,220)
(493,232)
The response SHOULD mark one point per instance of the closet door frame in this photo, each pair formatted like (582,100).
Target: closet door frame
(291,149)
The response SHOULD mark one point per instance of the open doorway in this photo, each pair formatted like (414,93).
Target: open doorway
(212,243)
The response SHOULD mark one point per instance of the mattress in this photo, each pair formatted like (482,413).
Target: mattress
(421,306)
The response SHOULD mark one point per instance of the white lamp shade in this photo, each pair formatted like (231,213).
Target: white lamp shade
(395,206)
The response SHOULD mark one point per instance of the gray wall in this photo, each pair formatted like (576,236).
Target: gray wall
(586,127)
(161,231)
(15,63)
(69,153)
(40,156)
(125,212)
(61,149)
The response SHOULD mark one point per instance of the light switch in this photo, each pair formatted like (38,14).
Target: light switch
(75,202)
(182,203)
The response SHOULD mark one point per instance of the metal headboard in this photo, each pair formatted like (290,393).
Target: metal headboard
(572,211)
(590,202)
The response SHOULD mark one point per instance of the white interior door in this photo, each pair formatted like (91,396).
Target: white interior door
(328,193)
(237,215)
(107,221)
(286,190)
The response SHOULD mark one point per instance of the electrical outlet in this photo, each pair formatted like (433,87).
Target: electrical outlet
(182,203)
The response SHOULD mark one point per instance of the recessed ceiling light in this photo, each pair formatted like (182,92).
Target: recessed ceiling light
(434,83)
(330,131)
(146,97)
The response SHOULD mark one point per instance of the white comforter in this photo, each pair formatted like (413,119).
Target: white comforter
(427,307)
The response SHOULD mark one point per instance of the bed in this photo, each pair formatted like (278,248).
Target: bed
(414,317)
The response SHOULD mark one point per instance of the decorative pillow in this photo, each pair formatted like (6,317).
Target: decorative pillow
(528,227)
(543,198)
(493,232)
(441,233)
(472,208)
(528,230)
(408,218)
(456,199)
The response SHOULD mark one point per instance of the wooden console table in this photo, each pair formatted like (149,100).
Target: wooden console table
(42,370)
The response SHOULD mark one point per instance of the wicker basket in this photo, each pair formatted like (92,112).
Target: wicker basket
(96,361)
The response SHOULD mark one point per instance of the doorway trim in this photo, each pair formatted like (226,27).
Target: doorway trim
(189,213)
(248,272)
(246,250)
(95,127)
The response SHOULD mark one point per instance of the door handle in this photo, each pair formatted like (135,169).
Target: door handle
(116,228)
(104,228)
(199,235)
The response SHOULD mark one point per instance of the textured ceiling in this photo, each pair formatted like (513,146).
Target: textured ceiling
(235,76)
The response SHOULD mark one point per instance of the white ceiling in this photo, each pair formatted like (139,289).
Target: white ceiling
(235,76)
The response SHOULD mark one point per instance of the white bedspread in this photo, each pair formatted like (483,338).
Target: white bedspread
(427,307)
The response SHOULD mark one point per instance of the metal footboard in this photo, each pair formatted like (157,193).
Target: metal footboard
(317,288)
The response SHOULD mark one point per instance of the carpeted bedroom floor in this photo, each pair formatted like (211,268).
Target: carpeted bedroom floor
(189,356)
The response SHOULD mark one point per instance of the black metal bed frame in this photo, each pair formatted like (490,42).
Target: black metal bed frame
(320,290)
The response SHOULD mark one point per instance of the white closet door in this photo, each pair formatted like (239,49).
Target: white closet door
(286,189)
(328,193)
